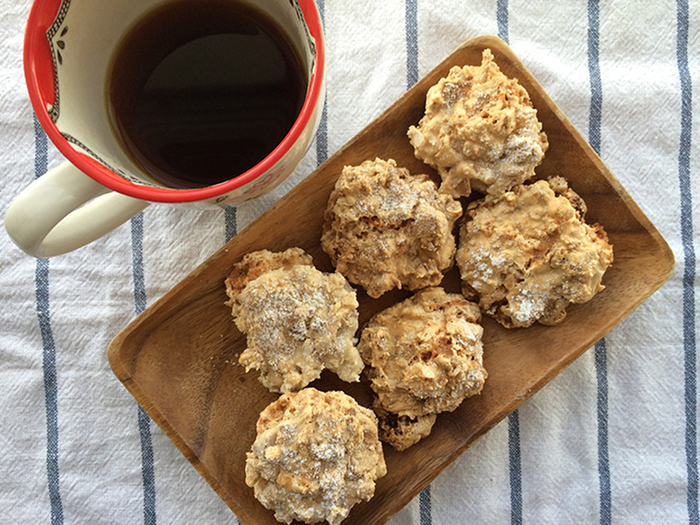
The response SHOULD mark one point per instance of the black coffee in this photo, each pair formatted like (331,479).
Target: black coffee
(201,91)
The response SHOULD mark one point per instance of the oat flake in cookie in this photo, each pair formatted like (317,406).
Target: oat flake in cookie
(315,456)
(528,255)
(385,228)
(425,356)
(479,131)
(297,320)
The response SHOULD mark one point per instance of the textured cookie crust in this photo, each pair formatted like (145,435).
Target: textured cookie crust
(385,228)
(425,353)
(529,254)
(297,320)
(254,264)
(316,455)
(479,131)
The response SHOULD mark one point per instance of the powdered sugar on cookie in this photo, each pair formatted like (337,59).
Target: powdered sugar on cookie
(315,456)
(529,254)
(298,321)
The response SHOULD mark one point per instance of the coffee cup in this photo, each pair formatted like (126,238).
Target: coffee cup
(163,101)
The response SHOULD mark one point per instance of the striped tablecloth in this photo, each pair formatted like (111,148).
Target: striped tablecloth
(612,439)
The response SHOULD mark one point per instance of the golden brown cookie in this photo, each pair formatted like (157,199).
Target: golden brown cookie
(425,354)
(315,456)
(528,255)
(385,228)
(254,264)
(297,320)
(479,131)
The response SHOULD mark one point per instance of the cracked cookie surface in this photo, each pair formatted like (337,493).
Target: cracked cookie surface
(528,255)
(480,131)
(385,228)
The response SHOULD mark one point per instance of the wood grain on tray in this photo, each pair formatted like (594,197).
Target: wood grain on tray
(179,358)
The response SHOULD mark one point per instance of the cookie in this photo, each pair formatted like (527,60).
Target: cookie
(315,456)
(424,356)
(528,255)
(480,131)
(297,320)
(385,228)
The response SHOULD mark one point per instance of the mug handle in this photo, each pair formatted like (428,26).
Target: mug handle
(65,209)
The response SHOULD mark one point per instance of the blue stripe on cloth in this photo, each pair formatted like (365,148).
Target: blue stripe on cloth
(137,263)
(231,222)
(514,458)
(594,117)
(321,10)
(144,421)
(49,349)
(689,349)
(601,367)
(424,499)
(41,150)
(515,472)
(602,410)
(411,42)
(147,470)
(322,137)
(424,507)
(502,19)
(322,131)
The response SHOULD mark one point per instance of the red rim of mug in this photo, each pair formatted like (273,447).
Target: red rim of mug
(39,75)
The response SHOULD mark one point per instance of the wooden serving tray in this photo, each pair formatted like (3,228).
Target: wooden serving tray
(179,358)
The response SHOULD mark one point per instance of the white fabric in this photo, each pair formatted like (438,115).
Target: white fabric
(89,294)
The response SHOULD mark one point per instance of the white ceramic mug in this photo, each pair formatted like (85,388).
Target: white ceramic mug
(67,51)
